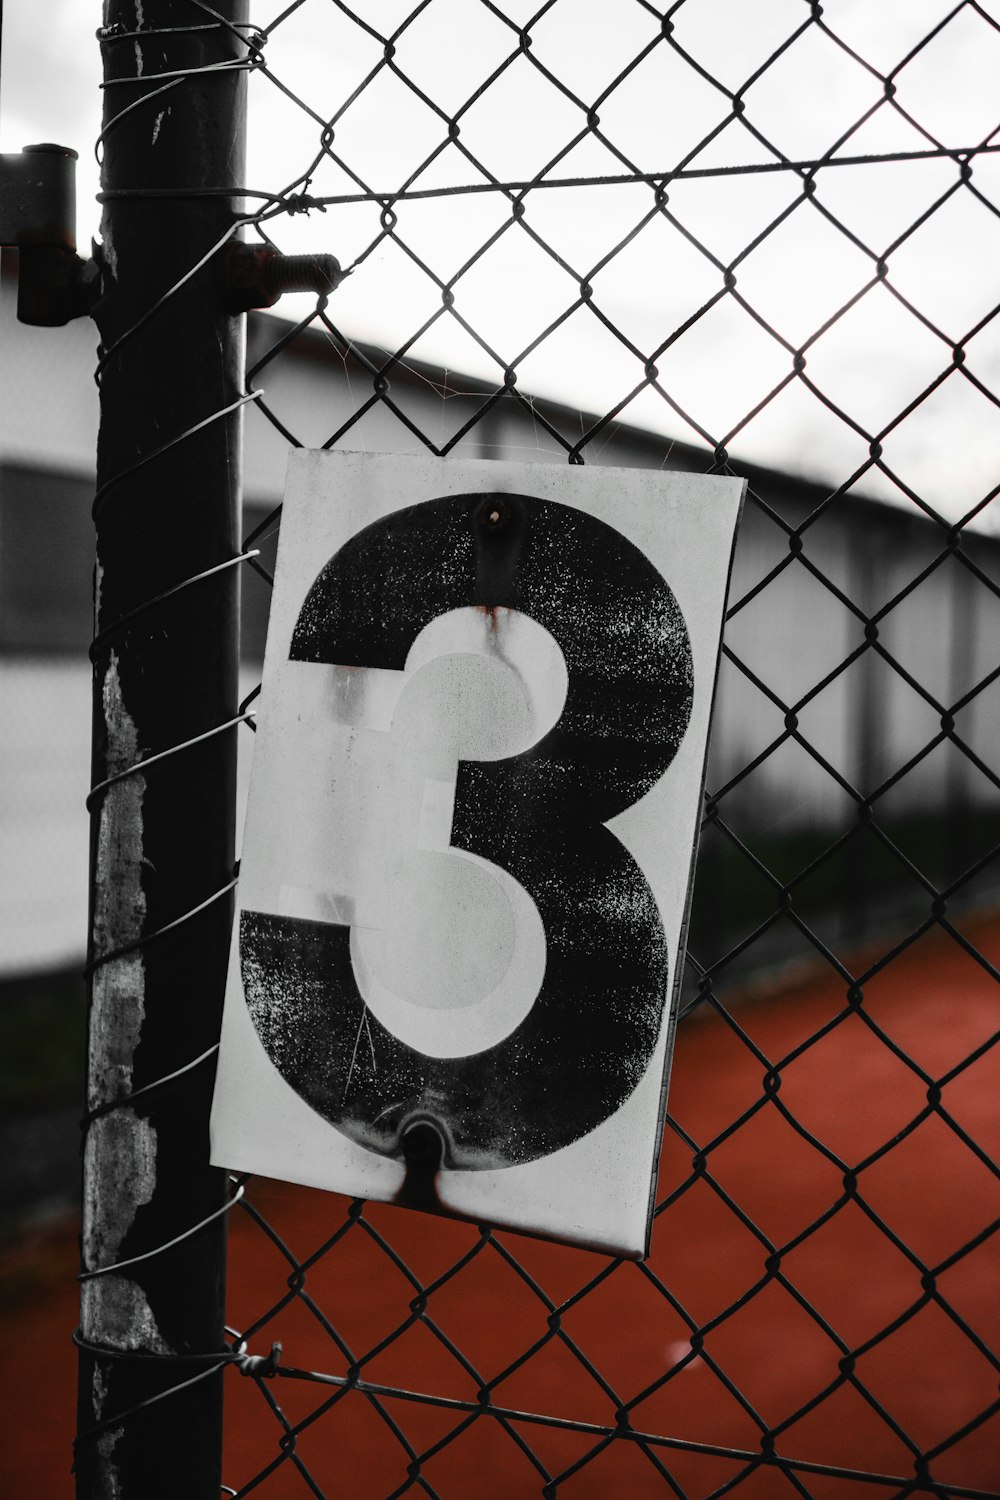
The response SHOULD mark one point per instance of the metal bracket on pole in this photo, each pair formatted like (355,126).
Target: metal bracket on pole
(38,217)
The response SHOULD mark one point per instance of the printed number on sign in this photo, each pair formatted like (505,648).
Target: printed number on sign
(570,1049)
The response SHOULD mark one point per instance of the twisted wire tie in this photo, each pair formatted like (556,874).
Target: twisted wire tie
(149,937)
(162,755)
(239,222)
(177,588)
(224,411)
(136,104)
(260,1366)
(236,65)
(257,1366)
(178,1239)
(302,203)
(147,1088)
(116,32)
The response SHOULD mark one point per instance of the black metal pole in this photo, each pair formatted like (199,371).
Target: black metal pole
(165,672)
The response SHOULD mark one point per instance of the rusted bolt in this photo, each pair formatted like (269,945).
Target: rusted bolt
(492,514)
(257,275)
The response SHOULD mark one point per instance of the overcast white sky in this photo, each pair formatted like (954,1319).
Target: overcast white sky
(872,362)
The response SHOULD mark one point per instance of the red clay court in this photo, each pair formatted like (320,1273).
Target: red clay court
(902,1273)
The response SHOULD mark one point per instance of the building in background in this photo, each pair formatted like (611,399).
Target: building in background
(879,714)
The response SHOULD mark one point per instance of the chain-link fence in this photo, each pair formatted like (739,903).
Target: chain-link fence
(751,240)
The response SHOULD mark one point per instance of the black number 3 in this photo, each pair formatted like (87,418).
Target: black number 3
(586,1042)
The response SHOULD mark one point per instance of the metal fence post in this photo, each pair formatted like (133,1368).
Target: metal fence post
(165,672)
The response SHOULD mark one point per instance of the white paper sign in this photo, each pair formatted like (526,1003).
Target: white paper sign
(470,836)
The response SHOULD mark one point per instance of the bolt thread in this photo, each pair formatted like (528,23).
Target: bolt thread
(302,273)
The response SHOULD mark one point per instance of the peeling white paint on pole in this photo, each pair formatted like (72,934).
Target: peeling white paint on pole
(98,578)
(118,989)
(108,253)
(119,1177)
(121,1163)
(120,1153)
(108,1487)
(107,1474)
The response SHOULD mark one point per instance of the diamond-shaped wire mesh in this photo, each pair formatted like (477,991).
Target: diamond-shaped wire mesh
(766,235)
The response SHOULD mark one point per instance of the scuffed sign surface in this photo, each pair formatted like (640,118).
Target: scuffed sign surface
(470,836)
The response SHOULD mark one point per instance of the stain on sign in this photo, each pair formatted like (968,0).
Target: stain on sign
(470,836)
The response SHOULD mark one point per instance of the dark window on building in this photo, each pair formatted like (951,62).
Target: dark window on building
(46,560)
(47,565)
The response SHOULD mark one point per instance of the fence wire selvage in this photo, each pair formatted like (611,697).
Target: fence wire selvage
(275,205)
